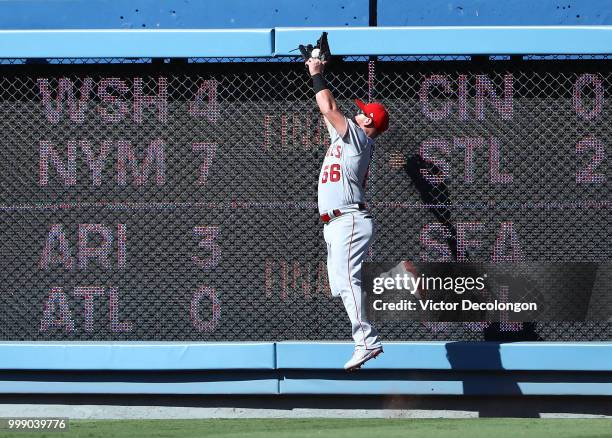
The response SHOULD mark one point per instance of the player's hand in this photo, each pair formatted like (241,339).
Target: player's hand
(315,65)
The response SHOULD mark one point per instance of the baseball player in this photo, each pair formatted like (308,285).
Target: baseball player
(348,227)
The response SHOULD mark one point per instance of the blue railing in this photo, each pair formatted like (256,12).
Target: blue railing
(282,41)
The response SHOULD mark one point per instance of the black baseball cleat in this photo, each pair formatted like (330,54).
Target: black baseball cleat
(360,357)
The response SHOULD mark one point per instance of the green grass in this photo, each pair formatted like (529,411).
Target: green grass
(336,428)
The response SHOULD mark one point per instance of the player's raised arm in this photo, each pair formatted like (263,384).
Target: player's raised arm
(325,98)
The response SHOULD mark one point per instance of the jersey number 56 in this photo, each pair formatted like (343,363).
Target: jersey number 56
(331,173)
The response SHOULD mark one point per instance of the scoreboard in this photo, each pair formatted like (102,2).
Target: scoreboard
(179,202)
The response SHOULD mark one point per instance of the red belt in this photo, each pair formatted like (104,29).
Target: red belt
(325,217)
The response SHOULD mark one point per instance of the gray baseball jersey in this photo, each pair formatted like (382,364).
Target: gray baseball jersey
(342,183)
(345,169)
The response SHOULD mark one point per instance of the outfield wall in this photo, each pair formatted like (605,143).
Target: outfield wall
(444,368)
(294,368)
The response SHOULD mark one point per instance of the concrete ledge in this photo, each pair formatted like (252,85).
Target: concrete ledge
(554,356)
(451,40)
(125,406)
(137,355)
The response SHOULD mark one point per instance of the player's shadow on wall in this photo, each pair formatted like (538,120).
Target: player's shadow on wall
(436,196)
(438,199)
(480,366)
(477,356)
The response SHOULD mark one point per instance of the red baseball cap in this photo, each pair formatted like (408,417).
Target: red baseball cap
(377,112)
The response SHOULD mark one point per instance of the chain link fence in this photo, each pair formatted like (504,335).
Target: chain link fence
(150,199)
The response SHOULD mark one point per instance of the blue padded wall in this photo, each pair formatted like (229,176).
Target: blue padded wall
(179,14)
(493,12)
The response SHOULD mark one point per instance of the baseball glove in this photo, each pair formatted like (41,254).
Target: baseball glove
(320,50)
